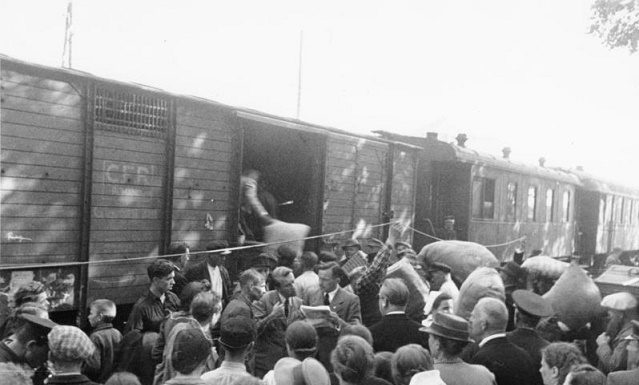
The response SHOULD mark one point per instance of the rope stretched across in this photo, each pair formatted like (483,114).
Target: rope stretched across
(487,246)
(106,261)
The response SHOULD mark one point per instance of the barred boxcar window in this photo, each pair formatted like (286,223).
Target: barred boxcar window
(532,203)
(131,113)
(511,208)
(550,205)
(566,206)
(483,198)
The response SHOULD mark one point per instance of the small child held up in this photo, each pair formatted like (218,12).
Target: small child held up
(106,338)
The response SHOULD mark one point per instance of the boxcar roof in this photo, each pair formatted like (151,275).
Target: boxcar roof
(449,152)
(43,70)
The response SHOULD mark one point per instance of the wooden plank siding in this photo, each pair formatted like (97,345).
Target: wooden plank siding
(355,182)
(203,180)
(42,146)
(404,188)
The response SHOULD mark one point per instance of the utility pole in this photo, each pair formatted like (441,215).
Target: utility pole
(299,76)
(68,37)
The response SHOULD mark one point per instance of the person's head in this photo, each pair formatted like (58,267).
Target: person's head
(264,263)
(252,284)
(447,335)
(511,273)
(123,378)
(33,291)
(352,359)
(393,295)
(585,374)
(301,340)
(14,374)
(190,291)
(69,347)
(237,335)
(449,222)
(351,247)
(287,255)
(190,351)
(326,256)
(329,276)
(557,359)
(217,254)
(162,275)
(530,308)
(180,253)
(102,311)
(251,173)
(283,279)
(489,316)
(436,274)
(30,334)
(204,306)
(442,304)
(357,330)
(409,360)
(309,260)
(382,368)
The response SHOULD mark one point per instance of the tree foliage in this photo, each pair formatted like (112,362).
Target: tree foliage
(616,23)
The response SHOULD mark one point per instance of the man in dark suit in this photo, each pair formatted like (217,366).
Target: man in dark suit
(213,270)
(274,312)
(395,328)
(529,309)
(510,364)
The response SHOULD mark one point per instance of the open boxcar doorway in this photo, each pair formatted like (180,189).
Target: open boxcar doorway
(291,164)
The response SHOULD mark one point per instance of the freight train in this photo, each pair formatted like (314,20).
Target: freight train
(99,176)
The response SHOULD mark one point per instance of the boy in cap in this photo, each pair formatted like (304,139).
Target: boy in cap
(106,339)
(69,347)
(191,349)
(237,337)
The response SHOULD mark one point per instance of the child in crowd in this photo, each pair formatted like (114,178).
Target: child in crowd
(106,339)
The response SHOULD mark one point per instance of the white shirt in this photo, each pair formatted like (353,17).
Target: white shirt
(450,288)
(216,279)
(491,337)
(429,377)
(305,283)
(331,294)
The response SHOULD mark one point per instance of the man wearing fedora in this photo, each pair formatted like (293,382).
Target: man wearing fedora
(529,309)
(395,329)
(212,269)
(448,335)
(510,364)
(237,337)
(353,256)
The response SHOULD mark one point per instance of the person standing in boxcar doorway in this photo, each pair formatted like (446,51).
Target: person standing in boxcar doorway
(253,215)
(448,233)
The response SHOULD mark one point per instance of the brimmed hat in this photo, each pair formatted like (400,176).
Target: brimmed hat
(289,371)
(190,348)
(449,326)
(438,266)
(237,332)
(42,322)
(265,259)
(351,243)
(621,301)
(512,269)
(69,343)
(531,303)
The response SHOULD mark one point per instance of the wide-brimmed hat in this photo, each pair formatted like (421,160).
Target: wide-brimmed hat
(351,243)
(449,326)
(621,301)
(531,303)
(44,323)
(289,371)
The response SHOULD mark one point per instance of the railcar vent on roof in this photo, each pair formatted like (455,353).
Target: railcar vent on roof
(130,113)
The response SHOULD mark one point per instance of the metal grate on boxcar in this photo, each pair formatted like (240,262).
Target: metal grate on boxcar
(130,113)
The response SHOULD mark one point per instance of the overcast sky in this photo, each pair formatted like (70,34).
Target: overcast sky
(523,74)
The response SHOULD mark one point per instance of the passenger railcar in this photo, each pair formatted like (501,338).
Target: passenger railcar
(95,170)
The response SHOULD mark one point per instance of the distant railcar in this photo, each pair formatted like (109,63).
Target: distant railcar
(96,170)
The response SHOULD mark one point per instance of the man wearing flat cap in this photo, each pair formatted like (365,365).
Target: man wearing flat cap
(69,347)
(353,256)
(438,275)
(611,345)
(529,309)
(448,335)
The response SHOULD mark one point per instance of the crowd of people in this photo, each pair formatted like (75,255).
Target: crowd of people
(333,318)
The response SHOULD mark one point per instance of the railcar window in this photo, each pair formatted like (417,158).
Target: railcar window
(608,208)
(511,208)
(622,215)
(550,205)
(532,203)
(131,113)
(566,206)
(483,198)
(602,210)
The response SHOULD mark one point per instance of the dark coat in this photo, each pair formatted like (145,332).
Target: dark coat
(396,330)
(530,341)
(76,379)
(624,377)
(200,271)
(510,364)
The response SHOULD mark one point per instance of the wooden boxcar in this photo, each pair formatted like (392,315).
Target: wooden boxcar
(493,200)
(95,170)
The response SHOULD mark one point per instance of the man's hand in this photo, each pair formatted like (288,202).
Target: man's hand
(603,339)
